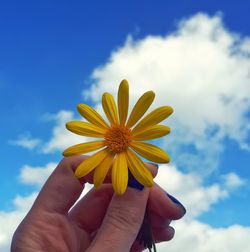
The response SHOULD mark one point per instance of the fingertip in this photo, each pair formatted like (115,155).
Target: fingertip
(164,234)
(123,219)
(153,167)
(177,202)
(163,205)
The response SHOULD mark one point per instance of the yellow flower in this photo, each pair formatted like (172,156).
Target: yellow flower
(118,138)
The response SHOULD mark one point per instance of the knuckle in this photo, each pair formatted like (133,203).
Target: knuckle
(124,219)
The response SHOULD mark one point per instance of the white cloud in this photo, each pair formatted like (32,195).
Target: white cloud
(36,175)
(26,141)
(61,138)
(10,220)
(233,181)
(189,189)
(199,237)
(192,235)
(202,70)
(21,205)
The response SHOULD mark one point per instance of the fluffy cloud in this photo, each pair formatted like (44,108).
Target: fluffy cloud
(26,141)
(211,103)
(61,138)
(232,180)
(36,175)
(202,70)
(189,189)
(192,235)
(10,220)
(196,236)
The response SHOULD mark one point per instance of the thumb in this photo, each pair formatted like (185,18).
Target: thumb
(122,222)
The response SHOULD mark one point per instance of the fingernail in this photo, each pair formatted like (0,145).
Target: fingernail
(133,183)
(176,201)
(154,164)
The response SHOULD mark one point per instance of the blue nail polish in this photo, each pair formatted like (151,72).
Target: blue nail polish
(176,201)
(133,183)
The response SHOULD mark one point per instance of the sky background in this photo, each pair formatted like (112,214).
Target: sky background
(195,55)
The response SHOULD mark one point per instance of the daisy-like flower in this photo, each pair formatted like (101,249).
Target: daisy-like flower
(121,139)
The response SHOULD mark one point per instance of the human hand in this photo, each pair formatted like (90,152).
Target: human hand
(99,222)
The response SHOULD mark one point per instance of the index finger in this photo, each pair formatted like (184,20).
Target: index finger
(62,189)
(165,205)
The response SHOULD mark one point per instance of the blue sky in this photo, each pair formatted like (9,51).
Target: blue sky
(49,51)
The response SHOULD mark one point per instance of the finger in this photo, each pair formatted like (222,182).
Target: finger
(62,188)
(134,184)
(89,212)
(122,221)
(160,235)
(164,204)
(157,221)
(163,234)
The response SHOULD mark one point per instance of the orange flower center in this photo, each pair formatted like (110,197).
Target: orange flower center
(118,138)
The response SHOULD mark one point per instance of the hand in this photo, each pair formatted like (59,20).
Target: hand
(99,222)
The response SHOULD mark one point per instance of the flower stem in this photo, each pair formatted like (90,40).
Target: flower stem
(145,236)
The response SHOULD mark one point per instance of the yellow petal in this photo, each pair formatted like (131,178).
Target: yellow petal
(120,174)
(92,116)
(139,169)
(123,99)
(102,169)
(109,107)
(83,148)
(85,129)
(155,117)
(150,152)
(140,108)
(151,132)
(90,163)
